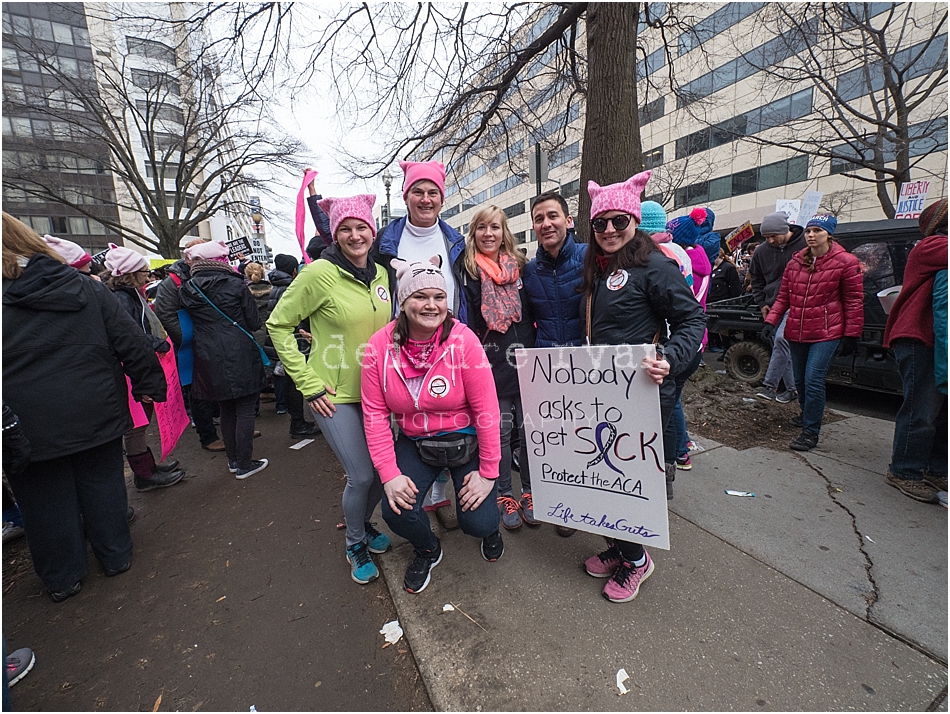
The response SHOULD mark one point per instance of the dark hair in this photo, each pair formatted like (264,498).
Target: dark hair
(635,254)
(551,196)
(401,331)
(120,281)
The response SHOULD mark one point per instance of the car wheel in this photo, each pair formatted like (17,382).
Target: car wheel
(747,361)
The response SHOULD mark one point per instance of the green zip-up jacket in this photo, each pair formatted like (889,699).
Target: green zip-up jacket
(343,314)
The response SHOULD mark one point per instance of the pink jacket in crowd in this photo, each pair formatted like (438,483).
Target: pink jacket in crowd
(457,392)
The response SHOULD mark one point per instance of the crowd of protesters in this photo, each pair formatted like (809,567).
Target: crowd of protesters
(421,389)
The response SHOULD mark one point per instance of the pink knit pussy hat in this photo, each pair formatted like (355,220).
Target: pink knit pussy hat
(618,196)
(122,261)
(412,277)
(339,209)
(210,250)
(417,171)
(74,254)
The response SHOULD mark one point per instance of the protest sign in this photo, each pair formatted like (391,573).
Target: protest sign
(739,236)
(809,206)
(595,441)
(790,207)
(911,200)
(171,415)
(238,246)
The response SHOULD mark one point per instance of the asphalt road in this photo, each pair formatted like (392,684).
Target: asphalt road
(239,594)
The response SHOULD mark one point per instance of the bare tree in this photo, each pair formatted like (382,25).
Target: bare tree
(879,87)
(184,139)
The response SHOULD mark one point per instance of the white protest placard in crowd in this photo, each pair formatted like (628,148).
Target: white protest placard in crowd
(790,207)
(595,441)
(809,206)
(912,198)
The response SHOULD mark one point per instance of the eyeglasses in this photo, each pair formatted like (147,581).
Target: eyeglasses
(619,222)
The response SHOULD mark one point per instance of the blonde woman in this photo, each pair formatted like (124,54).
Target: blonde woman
(499,314)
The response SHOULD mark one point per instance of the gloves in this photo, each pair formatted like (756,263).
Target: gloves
(849,346)
(768,333)
(16,447)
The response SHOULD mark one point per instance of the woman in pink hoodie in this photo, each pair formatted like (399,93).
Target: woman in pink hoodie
(431,373)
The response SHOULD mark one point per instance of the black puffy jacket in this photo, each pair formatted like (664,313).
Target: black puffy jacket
(134,305)
(227,362)
(167,299)
(67,346)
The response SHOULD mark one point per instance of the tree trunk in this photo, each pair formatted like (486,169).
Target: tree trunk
(611,148)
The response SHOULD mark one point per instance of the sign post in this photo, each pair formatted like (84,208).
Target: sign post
(595,441)
(912,198)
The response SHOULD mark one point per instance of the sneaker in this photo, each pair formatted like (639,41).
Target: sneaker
(683,462)
(918,489)
(18,664)
(376,542)
(493,547)
(60,595)
(362,568)
(625,583)
(564,531)
(787,396)
(232,467)
(604,564)
(797,421)
(159,479)
(256,466)
(766,393)
(129,514)
(257,433)
(447,516)
(305,429)
(436,506)
(419,570)
(217,421)
(510,516)
(281,410)
(942,498)
(527,510)
(112,572)
(12,532)
(694,447)
(939,483)
(216,445)
(804,442)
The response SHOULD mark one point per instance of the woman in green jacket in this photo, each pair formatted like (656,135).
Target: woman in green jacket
(346,296)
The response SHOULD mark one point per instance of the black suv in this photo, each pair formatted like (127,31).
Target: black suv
(882,248)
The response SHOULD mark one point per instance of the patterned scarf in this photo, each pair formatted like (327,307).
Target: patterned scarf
(418,356)
(501,305)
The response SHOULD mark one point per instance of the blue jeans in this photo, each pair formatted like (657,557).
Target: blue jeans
(780,363)
(413,525)
(920,431)
(810,362)
(679,435)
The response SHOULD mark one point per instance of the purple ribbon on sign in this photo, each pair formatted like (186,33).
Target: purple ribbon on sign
(604,448)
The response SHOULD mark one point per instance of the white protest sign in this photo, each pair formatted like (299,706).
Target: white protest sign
(595,441)
(790,207)
(912,197)
(809,206)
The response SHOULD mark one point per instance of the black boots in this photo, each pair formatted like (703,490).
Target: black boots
(149,475)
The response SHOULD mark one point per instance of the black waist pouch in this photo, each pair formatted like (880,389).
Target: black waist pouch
(448,450)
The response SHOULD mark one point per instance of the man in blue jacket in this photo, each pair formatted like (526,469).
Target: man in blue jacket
(556,272)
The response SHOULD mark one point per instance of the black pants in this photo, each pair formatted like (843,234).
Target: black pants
(237,428)
(66,500)
(202,413)
(292,398)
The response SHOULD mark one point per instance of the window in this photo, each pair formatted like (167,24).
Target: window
(155,81)
(652,111)
(745,182)
(62,33)
(571,189)
(652,159)
(707,28)
(780,173)
(562,156)
(80,37)
(515,209)
(165,112)
(475,200)
(521,237)
(503,156)
(506,185)
(720,188)
(692,143)
(168,171)
(855,83)
(453,211)
(162,141)
(473,175)
(150,49)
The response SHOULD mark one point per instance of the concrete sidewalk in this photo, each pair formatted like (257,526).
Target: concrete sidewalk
(827,591)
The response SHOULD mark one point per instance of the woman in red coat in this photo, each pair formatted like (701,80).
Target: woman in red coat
(823,293)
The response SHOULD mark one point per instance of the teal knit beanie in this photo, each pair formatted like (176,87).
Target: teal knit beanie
(654,217)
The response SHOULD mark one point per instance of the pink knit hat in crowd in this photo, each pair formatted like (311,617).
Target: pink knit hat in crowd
(339,209)
(618,196)
(417,171)
(74,254)
(211,250)
(122,261)
(411,277)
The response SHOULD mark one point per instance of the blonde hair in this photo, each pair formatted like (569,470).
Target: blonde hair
(21,240)
(254,272)
(507,239)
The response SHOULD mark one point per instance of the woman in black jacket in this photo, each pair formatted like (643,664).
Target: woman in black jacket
(67,347)
(724,282)
(228,367)
(631,291)
(499,313)
(128,276)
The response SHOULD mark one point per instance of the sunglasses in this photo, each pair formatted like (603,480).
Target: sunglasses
(619,223)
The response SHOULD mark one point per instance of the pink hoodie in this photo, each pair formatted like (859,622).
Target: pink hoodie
(457,392)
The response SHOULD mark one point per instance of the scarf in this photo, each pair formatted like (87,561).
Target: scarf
(602,262)
(202,264)
(366,275)
(501,305)
(419,356)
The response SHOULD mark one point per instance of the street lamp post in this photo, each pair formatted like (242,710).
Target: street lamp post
(388,182)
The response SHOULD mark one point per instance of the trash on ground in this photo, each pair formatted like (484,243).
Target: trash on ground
(745,399)
(158,703)
(622,677)
(301,444)
(221,598)
(747,494)
(720,371)
(392,632)
(252,709)
(448,607)
(869,538)
(341,525)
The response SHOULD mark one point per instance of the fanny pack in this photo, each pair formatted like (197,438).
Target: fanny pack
(448,450)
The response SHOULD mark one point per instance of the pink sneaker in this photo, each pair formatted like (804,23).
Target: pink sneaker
(625,583)
(603,564)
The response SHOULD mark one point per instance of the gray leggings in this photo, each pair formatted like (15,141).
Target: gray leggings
(363,491)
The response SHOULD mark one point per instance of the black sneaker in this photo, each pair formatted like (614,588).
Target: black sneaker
(256,466)
(60,595)
(493,547)
(305,429)
(804,442)
(786,396)
(417,574)
(112,572)
(797,421)
(766,393)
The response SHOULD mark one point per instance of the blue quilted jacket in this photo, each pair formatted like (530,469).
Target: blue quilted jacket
(552,289)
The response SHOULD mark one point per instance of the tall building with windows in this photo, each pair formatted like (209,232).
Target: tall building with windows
(701,139)
(88,42)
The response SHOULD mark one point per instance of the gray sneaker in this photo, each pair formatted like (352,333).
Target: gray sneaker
(766,393)
(787,396)
(527,510)
(510,512)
